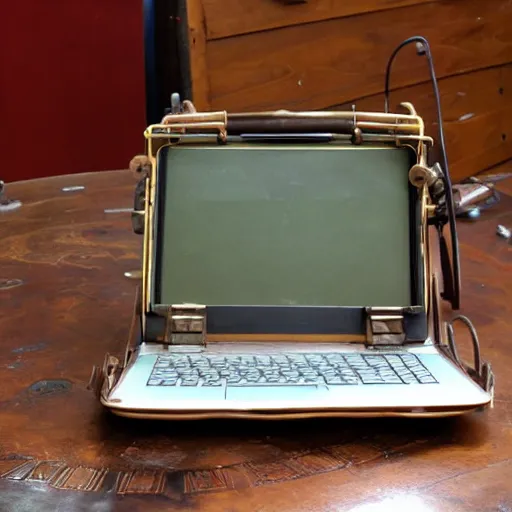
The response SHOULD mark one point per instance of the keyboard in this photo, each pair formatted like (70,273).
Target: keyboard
(288,369)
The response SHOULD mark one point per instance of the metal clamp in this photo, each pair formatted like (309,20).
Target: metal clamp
(186,324)
(385,326)
(357,136)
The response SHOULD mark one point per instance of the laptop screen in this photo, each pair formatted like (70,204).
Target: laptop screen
(284,225)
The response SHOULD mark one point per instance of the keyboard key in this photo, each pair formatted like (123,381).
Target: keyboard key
(333,379)
(263,360)
(290,373)
(298,359)
(190,381)
(209,383)
(372,380)
(335,369)
(409,378)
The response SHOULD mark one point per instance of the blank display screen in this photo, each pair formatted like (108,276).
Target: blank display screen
(283,225)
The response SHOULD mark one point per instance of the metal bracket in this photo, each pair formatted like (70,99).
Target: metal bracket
(7,204)
(103,379)
(192,121)
(385,326)
(186,324)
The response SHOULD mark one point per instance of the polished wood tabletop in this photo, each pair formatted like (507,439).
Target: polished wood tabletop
(65,301)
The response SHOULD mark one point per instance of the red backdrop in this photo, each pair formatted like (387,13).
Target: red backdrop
(71,86)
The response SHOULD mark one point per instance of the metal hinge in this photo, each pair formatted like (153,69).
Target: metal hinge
(385,326)
(186,324)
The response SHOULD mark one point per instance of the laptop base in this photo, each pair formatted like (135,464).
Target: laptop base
(285,381)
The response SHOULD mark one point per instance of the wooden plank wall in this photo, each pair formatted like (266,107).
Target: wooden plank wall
(321,54)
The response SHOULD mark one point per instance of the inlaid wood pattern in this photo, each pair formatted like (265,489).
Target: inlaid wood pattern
(307,463)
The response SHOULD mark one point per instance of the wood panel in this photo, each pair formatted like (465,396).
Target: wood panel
(329,62)
(234,17)
(197,49)
(477,112)
(506,91)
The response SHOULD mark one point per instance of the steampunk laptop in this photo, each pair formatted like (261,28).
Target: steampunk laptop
(295,265)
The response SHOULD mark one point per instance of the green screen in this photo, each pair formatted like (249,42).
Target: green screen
(284,225)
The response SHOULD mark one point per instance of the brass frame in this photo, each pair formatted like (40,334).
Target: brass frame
(399,129)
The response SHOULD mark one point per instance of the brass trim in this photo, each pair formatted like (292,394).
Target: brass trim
(390,128)
(175,129)
(330,114)
(288,415)
(295,147)
(410,107)
(195,117)
(148,231)
(299,338)
(186,324)
(397,127)
(180,123)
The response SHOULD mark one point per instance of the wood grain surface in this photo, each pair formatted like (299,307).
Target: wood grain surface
(65,302)
(322,53)
(315,65)
(477,115)
(198,64)
(232,17)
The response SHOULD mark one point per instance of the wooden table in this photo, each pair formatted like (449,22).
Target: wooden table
(65,302)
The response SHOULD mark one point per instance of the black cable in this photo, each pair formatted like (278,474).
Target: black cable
(453,295)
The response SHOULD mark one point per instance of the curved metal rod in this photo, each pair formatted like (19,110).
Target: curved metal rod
(451,344)
(407,127)
(410,107)
(329,114)
(474,338)
(195,117)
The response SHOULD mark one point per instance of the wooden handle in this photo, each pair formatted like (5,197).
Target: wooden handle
(251,124)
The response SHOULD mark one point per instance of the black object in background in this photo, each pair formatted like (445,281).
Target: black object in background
(165,55)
